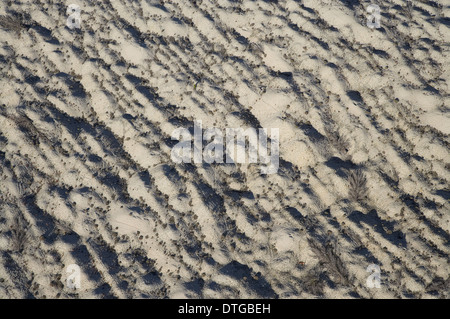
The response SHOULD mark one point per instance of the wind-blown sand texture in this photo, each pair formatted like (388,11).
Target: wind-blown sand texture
(86,175)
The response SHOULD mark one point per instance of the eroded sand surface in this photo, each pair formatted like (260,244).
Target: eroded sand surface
(87,178)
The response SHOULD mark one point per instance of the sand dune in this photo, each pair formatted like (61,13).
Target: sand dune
(88,177)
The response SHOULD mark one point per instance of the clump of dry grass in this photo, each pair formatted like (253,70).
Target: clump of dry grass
(328,256)
(340,142)
(357,185)
(19,235)
(10,23)
(313,283)
(439,285)
(409,8)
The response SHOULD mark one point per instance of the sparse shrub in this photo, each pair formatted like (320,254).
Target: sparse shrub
(357,185)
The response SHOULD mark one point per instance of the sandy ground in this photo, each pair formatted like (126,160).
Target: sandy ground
(87,178)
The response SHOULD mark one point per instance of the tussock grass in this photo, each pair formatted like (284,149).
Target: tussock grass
(328,256)
(19,235)
(11,24)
